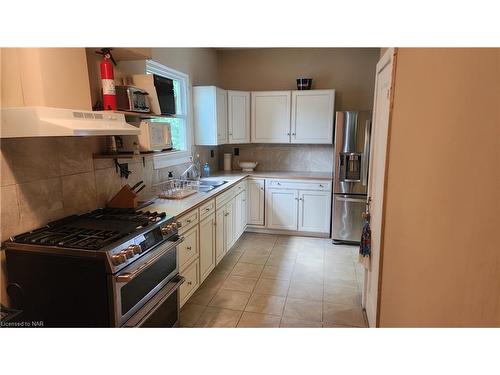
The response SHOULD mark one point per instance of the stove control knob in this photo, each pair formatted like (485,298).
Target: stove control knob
(166,229)
(118,259)
(128,253)
(136,249)
(175,225)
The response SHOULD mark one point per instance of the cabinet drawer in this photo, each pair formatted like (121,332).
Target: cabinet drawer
(223,198)
(188,220)
(300,184)
(188,249)
(207,208)
(191,282)
(240,187)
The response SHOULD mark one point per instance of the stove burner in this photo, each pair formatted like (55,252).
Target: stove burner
(91,231)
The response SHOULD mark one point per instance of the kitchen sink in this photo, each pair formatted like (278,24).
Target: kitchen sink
(214,183)
(205,188)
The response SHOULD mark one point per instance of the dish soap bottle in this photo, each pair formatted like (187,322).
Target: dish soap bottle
(206,170)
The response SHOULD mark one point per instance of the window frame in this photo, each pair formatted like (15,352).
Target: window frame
(172,158)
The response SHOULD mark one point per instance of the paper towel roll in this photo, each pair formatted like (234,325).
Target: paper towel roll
(227,162)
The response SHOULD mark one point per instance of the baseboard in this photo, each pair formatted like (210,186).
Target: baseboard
(263,230)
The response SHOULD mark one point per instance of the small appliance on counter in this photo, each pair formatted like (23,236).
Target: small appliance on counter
(153,136)
(248,166)
(132,99)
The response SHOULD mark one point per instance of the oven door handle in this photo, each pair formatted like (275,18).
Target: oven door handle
(129,276)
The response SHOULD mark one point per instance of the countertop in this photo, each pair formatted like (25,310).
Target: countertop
(178,207)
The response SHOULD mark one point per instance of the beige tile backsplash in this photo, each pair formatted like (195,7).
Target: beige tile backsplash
(43,179)
(283,157)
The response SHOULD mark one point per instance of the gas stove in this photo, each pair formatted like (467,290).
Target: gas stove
(105,268)
(120,235)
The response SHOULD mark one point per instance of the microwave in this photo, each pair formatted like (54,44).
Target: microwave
(154,136)
(160,90)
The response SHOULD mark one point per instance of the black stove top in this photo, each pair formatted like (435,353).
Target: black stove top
(91,231)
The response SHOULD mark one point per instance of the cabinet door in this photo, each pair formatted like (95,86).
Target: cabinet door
(207,246)
(220,239)
(238,213)
(282,209)
(229,225)
(238,116)
(221,108)
(314,211)
(270,117)
(312,116)
(244,209)
(255,202)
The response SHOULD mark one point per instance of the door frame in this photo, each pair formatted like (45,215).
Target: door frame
(389,57)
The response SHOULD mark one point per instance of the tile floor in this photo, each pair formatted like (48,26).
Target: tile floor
(280,281)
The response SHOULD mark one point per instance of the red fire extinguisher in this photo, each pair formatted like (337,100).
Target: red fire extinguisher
(108,79)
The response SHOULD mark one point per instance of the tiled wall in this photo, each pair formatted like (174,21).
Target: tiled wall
(283,157)
(43,179)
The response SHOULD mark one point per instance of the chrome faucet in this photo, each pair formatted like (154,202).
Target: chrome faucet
(193,172)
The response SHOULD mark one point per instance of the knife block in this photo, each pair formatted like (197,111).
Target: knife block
(125,198)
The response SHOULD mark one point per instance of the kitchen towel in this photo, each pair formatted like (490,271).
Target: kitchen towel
(365,246)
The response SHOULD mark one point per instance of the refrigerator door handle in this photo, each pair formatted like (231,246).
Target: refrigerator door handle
(342,199)
(366,152)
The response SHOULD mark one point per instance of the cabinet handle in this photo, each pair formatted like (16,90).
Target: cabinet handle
(207,209)
(230,133)
(189,247)
(189,283)
(293,133)
(288,133)
(188,221)
(321,186)
(261,188)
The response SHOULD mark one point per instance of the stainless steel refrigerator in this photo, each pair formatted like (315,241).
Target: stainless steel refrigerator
(351,160)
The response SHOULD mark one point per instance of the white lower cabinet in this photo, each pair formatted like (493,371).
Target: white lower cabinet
(314,211)
(191,281)
(282,208)
(229,225)
(302,206)
(255,196)
(220,239)
(207,246)
(240,214)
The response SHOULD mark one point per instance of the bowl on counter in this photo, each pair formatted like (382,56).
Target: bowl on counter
(248,166)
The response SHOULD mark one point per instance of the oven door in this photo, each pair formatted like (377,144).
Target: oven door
(161,311)
(135,285)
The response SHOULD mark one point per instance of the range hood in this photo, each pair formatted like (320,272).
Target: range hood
(57,122)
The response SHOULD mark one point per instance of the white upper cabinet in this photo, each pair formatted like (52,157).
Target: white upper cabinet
(238,116)
(271,116)
(312,116)
(210,115)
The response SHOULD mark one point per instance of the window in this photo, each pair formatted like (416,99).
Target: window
(180,123)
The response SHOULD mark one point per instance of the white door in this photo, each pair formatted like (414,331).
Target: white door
(282,209)
(314,211)
(207,246)
(221,108)
(380,128)
(271,116)
(312,116)
(238,116)
(220,238)
(256,202)
(229,225)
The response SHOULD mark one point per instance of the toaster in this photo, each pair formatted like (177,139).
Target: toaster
(132,99)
